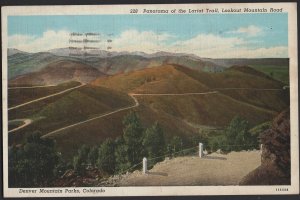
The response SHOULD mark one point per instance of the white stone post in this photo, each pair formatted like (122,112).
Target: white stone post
(261,148)
(144,165)
(200,150)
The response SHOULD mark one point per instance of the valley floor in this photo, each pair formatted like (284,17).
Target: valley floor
(213,169)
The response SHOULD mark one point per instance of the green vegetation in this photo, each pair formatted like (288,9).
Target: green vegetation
(106,157)
(154,141)
(133,136)
(74,106)
(38,163)
(178,115)
(257,130)
(280,73)
(80,160)
(235,137)
(34,163)
(244,77)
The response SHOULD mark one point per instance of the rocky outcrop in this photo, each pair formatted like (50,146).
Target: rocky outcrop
(275,159)
(71,179)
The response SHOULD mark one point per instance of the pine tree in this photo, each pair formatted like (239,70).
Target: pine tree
(93,155)
(133,135)
(33,163)
(238,136)
(176,144)
(81,159)
(154,141)
(106,156)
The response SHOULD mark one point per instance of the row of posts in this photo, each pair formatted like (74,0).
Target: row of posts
(201,154)
(145,159)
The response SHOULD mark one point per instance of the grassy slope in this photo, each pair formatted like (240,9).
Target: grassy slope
(245,77)
(178,79)
(111,127)
(21,63)
(23,95)
(164,79)
(280,73)
(71,107)
(172,112)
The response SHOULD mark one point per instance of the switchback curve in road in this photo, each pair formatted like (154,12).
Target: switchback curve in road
(132,95)
(136,104)
(26,123)
(45,97)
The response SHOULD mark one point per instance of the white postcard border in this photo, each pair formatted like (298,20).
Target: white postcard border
(290,8)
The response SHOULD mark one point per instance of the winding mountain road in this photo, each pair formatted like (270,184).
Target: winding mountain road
(29,87)
(136,104)
(168,94)
(45,97)
(259,89)
(132,95)
(26,123)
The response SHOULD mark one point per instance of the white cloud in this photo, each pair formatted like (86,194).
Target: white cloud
(250,31)
(133,40)
(49,40)
(203,45)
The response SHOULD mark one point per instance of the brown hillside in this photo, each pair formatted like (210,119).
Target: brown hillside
(58,72)
(112,127)
(244,77)
(163,79)
(179,79)
(178,115)
(248,70)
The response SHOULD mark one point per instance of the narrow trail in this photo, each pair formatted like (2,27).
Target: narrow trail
(132,95)
(45,97)
(258,89)
(29,87)
(168,94)
(136,104)
(26,123)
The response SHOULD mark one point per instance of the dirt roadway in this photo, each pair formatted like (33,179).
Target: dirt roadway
(136,104)
(26,123)
(215,169)
(42,98)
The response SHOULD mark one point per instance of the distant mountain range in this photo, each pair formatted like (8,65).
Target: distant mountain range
(30,66)
(104,54)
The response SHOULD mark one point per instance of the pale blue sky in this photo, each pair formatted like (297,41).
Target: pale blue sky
(270,30)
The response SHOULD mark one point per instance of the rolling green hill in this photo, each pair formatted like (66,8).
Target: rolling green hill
(68,108)
(59,72)
(280,73)
(178,115)
(249,79)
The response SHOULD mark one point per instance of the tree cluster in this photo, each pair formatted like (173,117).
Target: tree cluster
(36,163)
(114,156)
(235,137)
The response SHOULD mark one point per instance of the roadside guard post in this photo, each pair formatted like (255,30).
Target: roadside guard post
(200,150)
(144,165)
